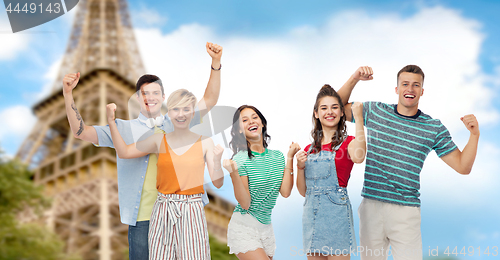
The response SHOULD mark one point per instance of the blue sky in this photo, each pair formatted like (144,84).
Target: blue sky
(279,53)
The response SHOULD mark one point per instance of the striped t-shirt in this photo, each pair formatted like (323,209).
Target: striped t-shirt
(265,174)
(397,148)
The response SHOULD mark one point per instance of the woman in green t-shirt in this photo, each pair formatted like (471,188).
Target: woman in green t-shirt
(258,175)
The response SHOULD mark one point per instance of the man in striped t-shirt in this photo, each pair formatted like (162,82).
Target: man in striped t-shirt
(399,139)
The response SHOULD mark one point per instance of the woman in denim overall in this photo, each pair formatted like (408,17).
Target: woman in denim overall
(323,171)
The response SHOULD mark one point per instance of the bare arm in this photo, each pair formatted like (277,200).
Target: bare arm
(212,91)
(213,156)
(78,127)
(357,148)
(301,165)
(287,183)
(462,161)
(240,184)
(362,73)
(123,150)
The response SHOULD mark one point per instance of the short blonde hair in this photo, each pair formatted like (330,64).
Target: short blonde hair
(180,98)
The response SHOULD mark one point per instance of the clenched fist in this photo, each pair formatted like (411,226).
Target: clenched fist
(357,111)
(110,112)
(69,82)
(363,73)
(218,151)
(230,165)
(294,148)
(470,122)
(214,50)
(301,159)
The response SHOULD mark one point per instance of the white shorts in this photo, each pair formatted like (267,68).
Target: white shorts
(245,233)
(382,224)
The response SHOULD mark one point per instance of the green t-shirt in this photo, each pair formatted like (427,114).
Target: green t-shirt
(265,174)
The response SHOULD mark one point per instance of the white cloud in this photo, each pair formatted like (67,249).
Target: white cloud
(17,121)
(50,77)
(145,17)
(440,184)
(11,44)
(48,80)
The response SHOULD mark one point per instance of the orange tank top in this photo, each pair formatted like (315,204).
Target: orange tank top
(181,174)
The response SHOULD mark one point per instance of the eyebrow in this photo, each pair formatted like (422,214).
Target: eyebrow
(254,114)
(406,81)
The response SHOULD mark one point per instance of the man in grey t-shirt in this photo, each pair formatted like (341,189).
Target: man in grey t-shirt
(400,137)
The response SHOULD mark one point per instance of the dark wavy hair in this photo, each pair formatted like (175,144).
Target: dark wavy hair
(239,141)
(317,132)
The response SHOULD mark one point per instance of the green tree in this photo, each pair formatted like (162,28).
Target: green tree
(219,250)
(23,241)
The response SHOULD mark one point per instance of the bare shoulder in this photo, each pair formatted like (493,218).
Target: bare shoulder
(207,141)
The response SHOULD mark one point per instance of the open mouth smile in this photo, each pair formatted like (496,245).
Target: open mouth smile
(253,128)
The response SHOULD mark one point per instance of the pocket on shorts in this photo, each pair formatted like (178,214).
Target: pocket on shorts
(338,198)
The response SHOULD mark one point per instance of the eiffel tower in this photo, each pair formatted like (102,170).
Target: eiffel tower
(82,179)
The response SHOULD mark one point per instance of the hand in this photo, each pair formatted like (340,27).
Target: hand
(357,110)
(218,151)
(69,82)
(301,159)
(470,122)
(363,73)
(294,148)
(110,112)
(230,165)
(214,50)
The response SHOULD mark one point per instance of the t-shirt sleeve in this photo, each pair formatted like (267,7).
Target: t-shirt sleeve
(367,106)
(443,144)
(307,148)
(240,160)
(103,136)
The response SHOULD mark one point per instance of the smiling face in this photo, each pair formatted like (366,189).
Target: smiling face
(409,89)
(250,124)
(181,116)
(329,112)
(150,99)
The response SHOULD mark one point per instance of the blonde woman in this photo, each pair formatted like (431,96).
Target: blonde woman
(178,228)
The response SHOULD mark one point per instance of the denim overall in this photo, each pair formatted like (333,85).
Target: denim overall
(327,224)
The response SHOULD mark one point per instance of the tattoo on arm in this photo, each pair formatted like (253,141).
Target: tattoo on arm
(79,118)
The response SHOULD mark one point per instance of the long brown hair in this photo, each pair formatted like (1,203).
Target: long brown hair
(317,132)
(239,142)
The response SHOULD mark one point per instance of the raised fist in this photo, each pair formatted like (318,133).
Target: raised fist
(470,122)
(357,110)
(230,165)
(218,151)
(214,50)
(69,81)
(301,159)
(363,73)
(110,112)
(294,148)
